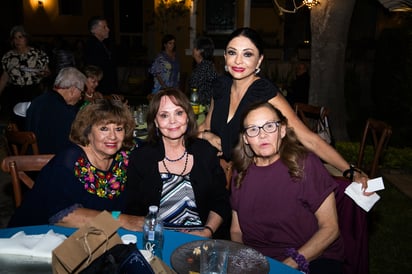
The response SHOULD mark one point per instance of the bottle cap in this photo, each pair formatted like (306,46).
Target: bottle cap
(153,209)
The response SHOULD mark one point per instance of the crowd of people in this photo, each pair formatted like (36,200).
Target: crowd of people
(250,133)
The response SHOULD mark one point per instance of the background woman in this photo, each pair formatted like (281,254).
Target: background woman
(166,68)
(204,72)
(283,197)
(24,67)
(93,74)
(88,176)
(243,86)
(176,171)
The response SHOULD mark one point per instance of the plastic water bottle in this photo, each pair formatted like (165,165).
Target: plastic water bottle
(153,232)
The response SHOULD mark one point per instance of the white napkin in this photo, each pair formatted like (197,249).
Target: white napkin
(39,246)
(354,190)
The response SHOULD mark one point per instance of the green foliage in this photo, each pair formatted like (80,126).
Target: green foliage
(393,158)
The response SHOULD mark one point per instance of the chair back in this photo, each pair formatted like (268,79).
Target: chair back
(18,166)
(19,142)
(310,114)
(379,133)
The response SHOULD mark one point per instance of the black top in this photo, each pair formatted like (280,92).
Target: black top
(202,78)
(50,118)
(260,90)
(144,184)
(69,181)
(97,54)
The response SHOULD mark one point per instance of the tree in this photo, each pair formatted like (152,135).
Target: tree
(330,23)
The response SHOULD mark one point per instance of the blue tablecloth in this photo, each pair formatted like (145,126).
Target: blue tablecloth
(172,241)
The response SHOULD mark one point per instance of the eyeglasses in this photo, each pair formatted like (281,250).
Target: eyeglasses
(81,90)
(269,127)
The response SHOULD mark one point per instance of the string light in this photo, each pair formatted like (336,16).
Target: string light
(308,3)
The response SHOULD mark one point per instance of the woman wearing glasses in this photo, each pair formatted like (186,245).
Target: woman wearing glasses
(242,86)
(283,201)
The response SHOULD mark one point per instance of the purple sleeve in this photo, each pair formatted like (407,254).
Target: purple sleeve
(317,183)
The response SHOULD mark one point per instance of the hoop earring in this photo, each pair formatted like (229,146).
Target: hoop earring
(226,68)
(257,70)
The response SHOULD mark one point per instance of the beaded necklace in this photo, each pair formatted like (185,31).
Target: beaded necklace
(178,159)
(184,169)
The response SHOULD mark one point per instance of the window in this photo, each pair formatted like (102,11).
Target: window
(220,16)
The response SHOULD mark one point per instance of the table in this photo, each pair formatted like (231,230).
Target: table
(172,241)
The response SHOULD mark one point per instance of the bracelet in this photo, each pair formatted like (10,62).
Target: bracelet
(349,173)
(303,265)
(116,214)
(209,228)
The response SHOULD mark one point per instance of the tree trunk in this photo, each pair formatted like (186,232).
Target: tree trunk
(330,22)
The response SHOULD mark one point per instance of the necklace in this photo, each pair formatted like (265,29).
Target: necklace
(178,159)
(184,168)
(90,96)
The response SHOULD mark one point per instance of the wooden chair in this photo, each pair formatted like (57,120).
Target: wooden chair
(379,133)
(19,142)
(310,114)
(18,165)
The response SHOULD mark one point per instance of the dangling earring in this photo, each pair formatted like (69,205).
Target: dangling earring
(226,68)
(157,132)
(257,70)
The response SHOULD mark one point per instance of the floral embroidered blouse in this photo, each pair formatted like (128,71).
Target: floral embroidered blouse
(70,181)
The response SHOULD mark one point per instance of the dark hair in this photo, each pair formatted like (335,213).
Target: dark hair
(93,71)
(167,38)
(102,111)
(248,33)
(179,99)
(93,21)
(206,47)
(291,151)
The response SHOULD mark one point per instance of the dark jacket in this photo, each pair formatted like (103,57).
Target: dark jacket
(144,185)
(97,54)
(50,118)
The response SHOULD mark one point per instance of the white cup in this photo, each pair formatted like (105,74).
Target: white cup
(129,239)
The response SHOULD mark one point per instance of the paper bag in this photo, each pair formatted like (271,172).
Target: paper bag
(86,244)
(159,267)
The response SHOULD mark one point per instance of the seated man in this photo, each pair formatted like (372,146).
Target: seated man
(51,114)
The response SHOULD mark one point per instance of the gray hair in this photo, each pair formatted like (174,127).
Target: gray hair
(16,29)
(70,77)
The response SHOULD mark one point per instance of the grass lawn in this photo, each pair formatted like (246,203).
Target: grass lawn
(390,233)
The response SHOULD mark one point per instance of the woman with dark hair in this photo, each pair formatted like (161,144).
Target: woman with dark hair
(86,177)
(177,171)
(166,68)
(243,85)
(204,72)
(283,201)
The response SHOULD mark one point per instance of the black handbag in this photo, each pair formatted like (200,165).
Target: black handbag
(121,259)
